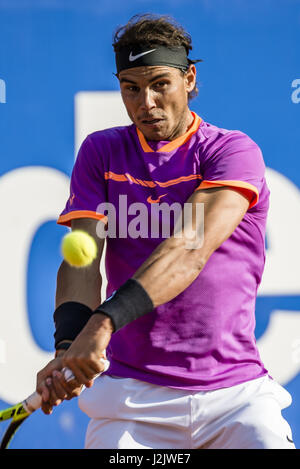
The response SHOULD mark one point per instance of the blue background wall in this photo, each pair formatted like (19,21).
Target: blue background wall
(51,50)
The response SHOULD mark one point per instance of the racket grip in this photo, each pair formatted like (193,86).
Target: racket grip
(34,401)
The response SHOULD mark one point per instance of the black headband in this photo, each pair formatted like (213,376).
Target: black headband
(139,56)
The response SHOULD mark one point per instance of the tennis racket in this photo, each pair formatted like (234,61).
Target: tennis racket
(21,411)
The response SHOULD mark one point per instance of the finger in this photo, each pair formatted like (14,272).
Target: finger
(44,392)
(46,408)
(83,375)
(70,388)
(93,367)
(90,371)
(64,389)
(54,399)
(61,389)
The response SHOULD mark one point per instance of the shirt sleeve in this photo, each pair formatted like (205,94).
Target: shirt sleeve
(235,161)
(87,186)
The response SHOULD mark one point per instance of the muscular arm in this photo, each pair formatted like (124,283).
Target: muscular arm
(81,285)
(173,264)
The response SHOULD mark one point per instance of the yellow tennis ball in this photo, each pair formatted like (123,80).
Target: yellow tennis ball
(78,248)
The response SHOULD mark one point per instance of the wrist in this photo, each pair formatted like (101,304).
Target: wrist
(59,353)
(62,347)
(69,319)
(128,303)
(101,321)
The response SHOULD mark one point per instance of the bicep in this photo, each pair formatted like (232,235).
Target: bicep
(223,210)
(90,226)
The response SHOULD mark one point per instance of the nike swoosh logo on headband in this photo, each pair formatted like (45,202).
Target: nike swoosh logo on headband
(135,57)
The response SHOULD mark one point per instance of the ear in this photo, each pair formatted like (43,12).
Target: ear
(190,78)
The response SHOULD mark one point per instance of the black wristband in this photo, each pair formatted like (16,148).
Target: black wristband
(126,304)
(69,319)
(64,345)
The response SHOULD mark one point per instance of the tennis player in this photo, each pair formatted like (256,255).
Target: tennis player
(178,322)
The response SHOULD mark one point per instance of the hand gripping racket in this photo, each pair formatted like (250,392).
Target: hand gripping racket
(19,412)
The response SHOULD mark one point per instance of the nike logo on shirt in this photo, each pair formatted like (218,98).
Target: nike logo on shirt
(135,57)
(151,201)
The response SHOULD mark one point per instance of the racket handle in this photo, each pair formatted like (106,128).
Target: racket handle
(34,401)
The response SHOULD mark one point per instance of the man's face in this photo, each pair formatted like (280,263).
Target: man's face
(156,99)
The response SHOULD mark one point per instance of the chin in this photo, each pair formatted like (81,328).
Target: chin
(155,134)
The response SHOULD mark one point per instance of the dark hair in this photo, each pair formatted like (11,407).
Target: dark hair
(149,29)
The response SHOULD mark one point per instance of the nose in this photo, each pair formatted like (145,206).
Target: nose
(147,100)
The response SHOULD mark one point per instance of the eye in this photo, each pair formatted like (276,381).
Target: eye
(160,84)
(132,88)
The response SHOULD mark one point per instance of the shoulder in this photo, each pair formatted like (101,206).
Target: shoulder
(101,145)
(231,147)
(110,135)
(215,137)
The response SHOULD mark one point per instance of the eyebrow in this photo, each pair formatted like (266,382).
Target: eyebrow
(162,75)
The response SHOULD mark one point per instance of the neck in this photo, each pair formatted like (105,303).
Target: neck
(183,126)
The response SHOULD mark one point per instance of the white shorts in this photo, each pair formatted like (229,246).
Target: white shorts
(126,413)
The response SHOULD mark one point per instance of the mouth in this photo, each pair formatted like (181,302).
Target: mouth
(151,122)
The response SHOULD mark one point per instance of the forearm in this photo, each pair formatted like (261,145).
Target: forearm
(80,336)
(79,285)
(172,266)
(78,294)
